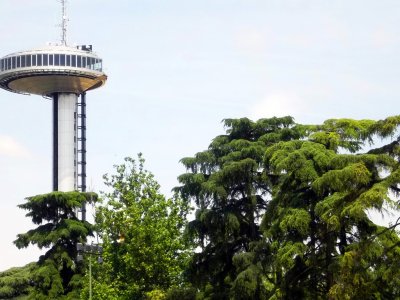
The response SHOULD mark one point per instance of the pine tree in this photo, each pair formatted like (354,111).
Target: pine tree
(230,190)
(56,275)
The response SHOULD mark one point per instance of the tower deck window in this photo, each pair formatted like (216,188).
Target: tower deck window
(56,59)
(62,59)
(14,62)
(34,60)
(23,61)
(39,60)
(73,58)
(78,62)
(68,57)
(51,59)
(28,60)
(45,59)
(90,64)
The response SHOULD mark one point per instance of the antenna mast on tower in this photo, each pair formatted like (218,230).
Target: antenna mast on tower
(64,22)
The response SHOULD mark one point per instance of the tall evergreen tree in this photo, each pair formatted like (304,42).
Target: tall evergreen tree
(59,229)
(231,192)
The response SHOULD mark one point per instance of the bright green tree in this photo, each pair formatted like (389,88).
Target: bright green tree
(56,275)
(312,187)
(318,214)
(142,233)
(15,283)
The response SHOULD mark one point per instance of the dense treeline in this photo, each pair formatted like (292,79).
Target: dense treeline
(282,211)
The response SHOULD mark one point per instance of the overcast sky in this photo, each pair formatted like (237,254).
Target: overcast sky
(176,68)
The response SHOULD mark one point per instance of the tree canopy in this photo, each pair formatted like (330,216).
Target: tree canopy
(142,233)
(283,210)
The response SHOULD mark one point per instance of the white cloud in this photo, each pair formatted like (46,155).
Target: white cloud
(307,104)
(278,104)
(11,148)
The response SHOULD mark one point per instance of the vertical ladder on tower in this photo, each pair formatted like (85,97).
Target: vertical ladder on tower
(81,148)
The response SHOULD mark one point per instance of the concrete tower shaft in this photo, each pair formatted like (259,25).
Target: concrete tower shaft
(64,141)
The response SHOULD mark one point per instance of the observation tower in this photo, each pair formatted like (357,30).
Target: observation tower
(64,74)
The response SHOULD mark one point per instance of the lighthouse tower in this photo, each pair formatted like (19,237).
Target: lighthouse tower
(64,74)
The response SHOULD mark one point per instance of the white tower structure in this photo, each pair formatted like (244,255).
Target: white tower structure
(64,74)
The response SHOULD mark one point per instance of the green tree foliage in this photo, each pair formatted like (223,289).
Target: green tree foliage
(16,282)
(56,276)
(142,233)
(283,211)
(227,184)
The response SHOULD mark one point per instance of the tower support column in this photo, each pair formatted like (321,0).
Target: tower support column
(55,142)
(64,143)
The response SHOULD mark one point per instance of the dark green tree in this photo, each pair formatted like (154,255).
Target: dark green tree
(283,211)
(231,192)
(56,275)
(142,233)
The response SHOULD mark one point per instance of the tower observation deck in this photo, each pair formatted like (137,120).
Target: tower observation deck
(64,74)
(53,69)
